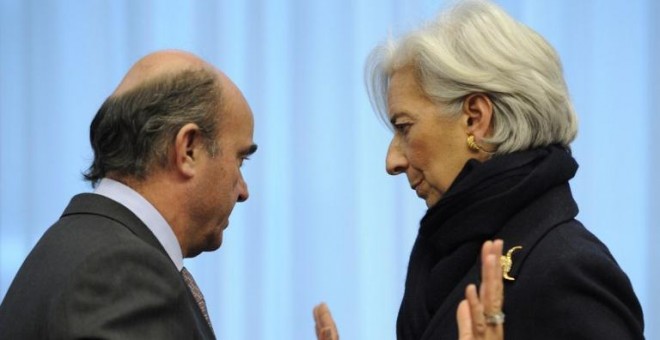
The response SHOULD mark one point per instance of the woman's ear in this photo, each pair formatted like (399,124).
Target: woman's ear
(188,144)
(478,109)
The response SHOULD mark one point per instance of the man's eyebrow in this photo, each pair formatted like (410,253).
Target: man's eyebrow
(249,150)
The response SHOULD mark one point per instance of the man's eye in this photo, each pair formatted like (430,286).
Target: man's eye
(242,160)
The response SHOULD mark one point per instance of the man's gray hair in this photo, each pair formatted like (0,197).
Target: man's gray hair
(475,47)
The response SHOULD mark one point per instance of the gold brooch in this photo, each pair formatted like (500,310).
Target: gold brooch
(506,262)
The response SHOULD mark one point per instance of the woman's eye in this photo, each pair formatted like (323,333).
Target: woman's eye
(402,127)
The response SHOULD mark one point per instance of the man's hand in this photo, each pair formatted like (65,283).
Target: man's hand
(325,325)
(480,316)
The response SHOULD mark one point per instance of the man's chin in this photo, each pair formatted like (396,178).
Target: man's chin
(212,244)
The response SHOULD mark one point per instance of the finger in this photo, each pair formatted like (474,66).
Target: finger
(488,290)
(325,324)
(319,320)
(464,321)
(498,246)
(492,290)
(328,334)
(476,312)
(324,316)
(486,250)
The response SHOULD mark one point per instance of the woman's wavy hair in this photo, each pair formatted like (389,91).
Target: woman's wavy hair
(475,47)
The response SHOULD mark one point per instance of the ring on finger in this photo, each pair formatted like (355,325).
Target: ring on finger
(494,319)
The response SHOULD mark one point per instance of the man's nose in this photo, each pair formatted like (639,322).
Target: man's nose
(395,161)
(243,192)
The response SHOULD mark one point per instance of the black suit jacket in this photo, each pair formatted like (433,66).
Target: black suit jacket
(100,273)
(567,284)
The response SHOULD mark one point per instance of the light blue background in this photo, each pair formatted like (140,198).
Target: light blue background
(324,221)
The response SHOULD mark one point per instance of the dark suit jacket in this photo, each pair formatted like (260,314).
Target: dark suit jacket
(100,273)
(567,284)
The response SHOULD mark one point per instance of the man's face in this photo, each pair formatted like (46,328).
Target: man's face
(220,184)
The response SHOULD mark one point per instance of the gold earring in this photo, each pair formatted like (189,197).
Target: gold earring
(472,144)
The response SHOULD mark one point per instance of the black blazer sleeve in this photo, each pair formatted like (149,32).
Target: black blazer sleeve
(570,287)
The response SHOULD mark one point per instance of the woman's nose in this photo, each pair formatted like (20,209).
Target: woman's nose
(395,162)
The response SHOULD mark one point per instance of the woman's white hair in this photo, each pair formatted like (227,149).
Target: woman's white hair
(475,47)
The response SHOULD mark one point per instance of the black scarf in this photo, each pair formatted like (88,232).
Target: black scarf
(477,205)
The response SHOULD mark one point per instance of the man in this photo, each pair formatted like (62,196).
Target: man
(168,146)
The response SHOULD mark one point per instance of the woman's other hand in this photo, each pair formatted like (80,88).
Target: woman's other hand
(325,325)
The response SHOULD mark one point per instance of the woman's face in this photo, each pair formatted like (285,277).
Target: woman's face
(429,148)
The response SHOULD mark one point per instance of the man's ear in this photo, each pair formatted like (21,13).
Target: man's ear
(188,146)
(478,111)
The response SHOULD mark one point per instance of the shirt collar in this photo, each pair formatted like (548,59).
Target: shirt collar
(146,212)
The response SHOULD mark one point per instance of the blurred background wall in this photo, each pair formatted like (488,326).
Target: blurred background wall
(324,221)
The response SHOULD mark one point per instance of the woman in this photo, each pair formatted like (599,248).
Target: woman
(482,125)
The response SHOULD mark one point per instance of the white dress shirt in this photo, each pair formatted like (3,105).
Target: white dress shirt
(147,213)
